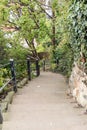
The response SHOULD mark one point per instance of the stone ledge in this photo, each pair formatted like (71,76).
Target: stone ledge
(22,83)
(5,116)
(0,126)
(5,103)
(9,97)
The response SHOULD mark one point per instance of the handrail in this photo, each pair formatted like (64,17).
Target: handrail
(5,65)
(13,72)
(1,89)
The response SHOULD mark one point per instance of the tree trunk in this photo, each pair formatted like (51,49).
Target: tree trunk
(53,30)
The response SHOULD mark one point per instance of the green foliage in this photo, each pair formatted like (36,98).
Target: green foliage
(64,35)
(78,27)
(4,11)
(72,25)
(53,67)
(63,53)
(19,54)
(65,56)
(3,48)
(40,48)
(3,73)
(21,69)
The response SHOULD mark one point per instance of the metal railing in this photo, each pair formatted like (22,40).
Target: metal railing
(13,78)
(47,64)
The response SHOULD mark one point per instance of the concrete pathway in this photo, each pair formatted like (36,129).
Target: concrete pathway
(43,105)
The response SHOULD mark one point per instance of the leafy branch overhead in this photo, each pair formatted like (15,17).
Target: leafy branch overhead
(58,27)
(29,19)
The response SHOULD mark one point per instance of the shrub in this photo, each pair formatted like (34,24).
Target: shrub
(65,56)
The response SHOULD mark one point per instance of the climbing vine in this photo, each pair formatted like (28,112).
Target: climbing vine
(78,28)
(73,44)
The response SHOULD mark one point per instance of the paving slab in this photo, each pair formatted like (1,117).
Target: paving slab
(43,105)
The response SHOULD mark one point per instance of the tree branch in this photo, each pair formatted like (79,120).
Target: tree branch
(31,45)
(43,4)
(16,28)
(44,10)
(31,11)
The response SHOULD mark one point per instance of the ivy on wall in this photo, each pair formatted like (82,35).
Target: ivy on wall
(74,37)
(78,28)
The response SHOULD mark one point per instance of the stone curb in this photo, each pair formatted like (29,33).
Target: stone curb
(0,127)
(8,100)
(22,83)
(5,104)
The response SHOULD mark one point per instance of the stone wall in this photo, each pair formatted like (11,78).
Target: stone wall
(78,86)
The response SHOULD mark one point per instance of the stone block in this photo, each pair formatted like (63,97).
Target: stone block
(0,126)
(5,116)
(22,83)
(4,106)
(9,97)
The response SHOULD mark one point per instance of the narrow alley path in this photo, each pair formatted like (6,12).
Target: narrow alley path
(43,105)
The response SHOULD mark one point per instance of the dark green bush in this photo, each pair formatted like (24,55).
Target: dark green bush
(64,56)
